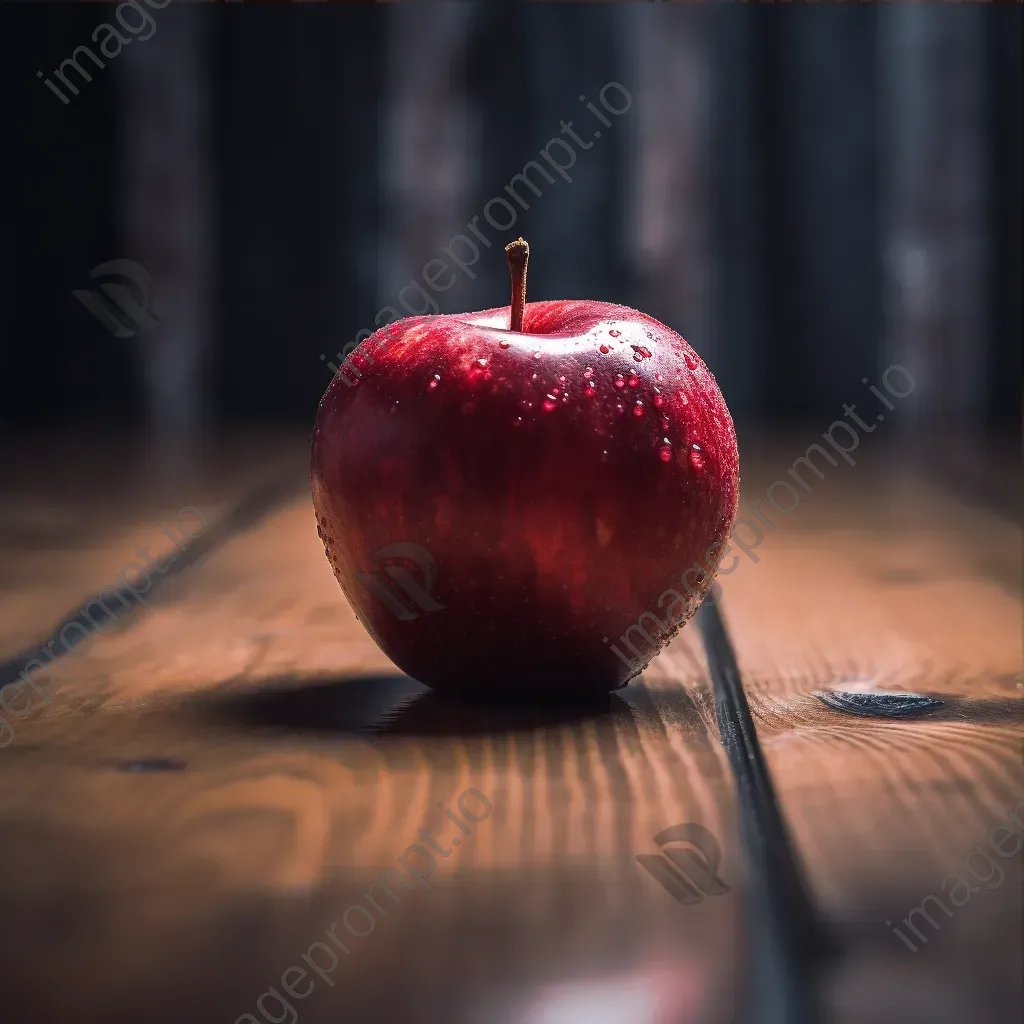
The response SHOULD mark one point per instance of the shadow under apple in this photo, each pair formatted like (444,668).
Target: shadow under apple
(377,706)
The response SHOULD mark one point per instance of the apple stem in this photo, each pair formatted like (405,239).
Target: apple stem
(518,255)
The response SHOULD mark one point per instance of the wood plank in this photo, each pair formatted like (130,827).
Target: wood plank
(311,766)
(880,582)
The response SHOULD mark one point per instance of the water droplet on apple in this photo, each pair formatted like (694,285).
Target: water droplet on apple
(620,408)
(561,380)
(696,459)
(504,344)
(638,409)
(619,381)
(691,360)
(550,403)
(536,355)
(433,384)
(658,377)
(682,398)
(555,391)
(478,371)
(658,401)
(633,380)
(590,389)
(605,350)
(613,334)
(588,373)
(665,450)
(641,352)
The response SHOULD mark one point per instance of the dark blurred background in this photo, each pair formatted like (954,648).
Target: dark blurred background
(806,194)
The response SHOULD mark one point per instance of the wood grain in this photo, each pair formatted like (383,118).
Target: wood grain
(311,766)
(882,583)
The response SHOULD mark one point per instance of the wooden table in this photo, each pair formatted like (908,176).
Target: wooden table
(217,780)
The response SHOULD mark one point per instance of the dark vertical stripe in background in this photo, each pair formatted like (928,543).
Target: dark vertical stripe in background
(795,184)
(1005,32)
(299,117)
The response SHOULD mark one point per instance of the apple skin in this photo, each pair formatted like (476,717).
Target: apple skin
(562,479)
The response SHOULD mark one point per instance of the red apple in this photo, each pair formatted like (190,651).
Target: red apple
(502,494)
